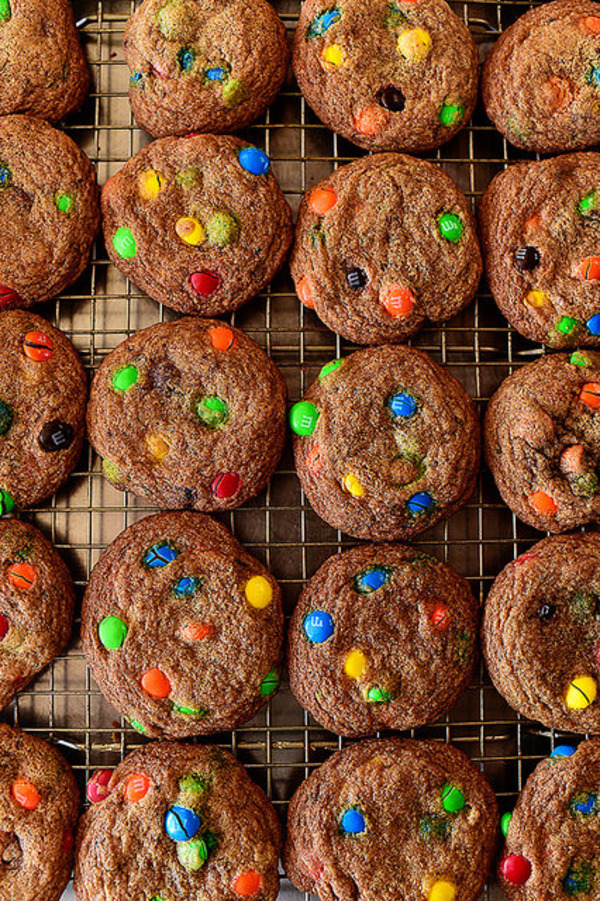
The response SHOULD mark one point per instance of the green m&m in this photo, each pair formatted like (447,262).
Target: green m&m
(567,325)
(65,203)
(124,243)
(453,799)
(269,683)
(303,418)
(124,378)
(212,411)
(451,113)
(328,368)
(112,632)
(5,10)
(450,226)
(7,502)
(193,854)
(579,359)
(222,229)
(587,203)
(505,822)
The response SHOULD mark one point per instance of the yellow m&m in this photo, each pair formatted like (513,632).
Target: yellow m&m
(150,183)
(355,664)
(334,55)
(351,484)
(259,592)
(414,44)
(190,230)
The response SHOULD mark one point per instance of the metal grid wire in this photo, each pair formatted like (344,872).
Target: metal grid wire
(282,745)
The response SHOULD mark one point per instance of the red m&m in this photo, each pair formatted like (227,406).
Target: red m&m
(205,282)
(516,869)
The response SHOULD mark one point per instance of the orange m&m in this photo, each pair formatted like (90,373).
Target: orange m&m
(543,503)
(22,576)
(590,395)
(589,268)
(247,884)
(398,301)
(194,631)
(321,200)
(25,794)
(137,787)
(370,121)
(304,292)
(156,683)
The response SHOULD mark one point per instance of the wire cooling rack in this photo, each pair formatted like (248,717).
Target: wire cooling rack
(282,745)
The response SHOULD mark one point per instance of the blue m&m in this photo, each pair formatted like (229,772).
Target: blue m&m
(353,822)
(420,502)
(563,751)
(402,405)
(254,161)
(585,803)
(160,555)
(186,587)
(371,579)
(181,823)
(593,324)
(318,626)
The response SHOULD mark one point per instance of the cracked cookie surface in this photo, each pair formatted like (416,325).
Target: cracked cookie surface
(387,76)
(179,821)
(188,414)
(392,818)
(387,443)
(182,628)
(542,444)
(382,637)
(203,65)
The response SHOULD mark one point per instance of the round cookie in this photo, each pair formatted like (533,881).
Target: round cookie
(542,441)
(182,629)
(199,223)
(39,804)
(49,212)
(188,414)
(392,819)
(44,72)
(553,835)
(540,231)
(384,244)
(541,81)
(398,75)
(179,821)
(387,443)
(203,65)
(43,393)
(541,632)
(37,601)
(382,637)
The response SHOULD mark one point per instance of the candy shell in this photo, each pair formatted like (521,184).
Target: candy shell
(25,794)
(223,229)
(591,23)
(123,379)
(194,631)
(593,324)
(370,121)
(4,626)
(357,278)
(527,258)
(205,282)
(22,576)
(414,44)
(453,799)
(5,10)
(536,299)
(589,268)
(186,586)
(451,227)
(590,395)
(352,485)
(226,485)
(221,337)
(371,579)
(259,592)
(581,693)
(56,436)
(190,230)
(149,184)
(398,300)
(112,632)
(7,502)
(6,417)
(353,822)
(137,787)
(124,243)
(392,99)
(318,626)
(402,405)
(451,113)
(516,869)
(439,617)
(419,503)
(160,555)
(65,203)
(304,292)
(505,822)
(303,418)
(9,298)
(157,446)
(192,855)
(37,346)
(328,368)
(254,161)
(247,884)
(322,199)
(543,503)
(355,664)
(181,823)
(562,751)
(156,683)
(269,684)
(334,55)
(442,890)
(212,411)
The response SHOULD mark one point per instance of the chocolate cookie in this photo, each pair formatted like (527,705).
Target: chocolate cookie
(387,75)
(188,414)
(383,637)
(204,65)
(540,228)
(36,606)
(387,443)
(182,629)
(541,632)
(541,80)
(553,834)
(392,819)
(43,393)
(39,803)
(179,822)
(542,441)
(198,223)
(44,72)
(49,212)
(383,244)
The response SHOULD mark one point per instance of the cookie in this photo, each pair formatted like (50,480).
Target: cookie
(37,601)
(188,414)
(387,443)
(541,633)
(180,821)
(383,637)
(203,65)
(553,834)
(541,81)
(199,223)
(387,75)
(542,441)
(540,229)
(382,245)
(44,72)
(39,804)
(182,629)
(43,393)
(392,819)
(49,211)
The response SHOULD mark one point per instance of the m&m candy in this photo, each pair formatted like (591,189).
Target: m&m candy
(181,823)
(318,626)
(353,822)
